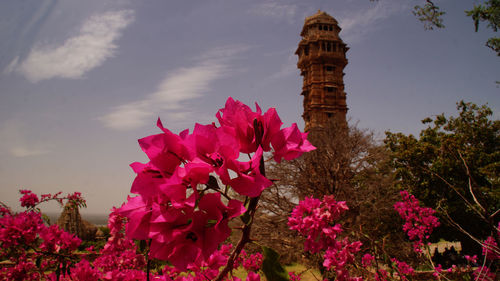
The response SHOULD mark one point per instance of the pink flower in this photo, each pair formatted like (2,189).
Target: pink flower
(165,151)
(490,249)
(419,221)
(56,240)
(290,143)
(138,211)
(367,260)
(29,199)
(472,260)
(248,180)
(381,275)
(293,276)
(314,219)
(483,273)
(403,268)
(437,271)
(253,262)
(252,276)
(83,271)
(239,116)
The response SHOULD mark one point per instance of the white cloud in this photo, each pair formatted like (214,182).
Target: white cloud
(187,83)
(356,25)
(277,10)
(94,43)
(16,143)
(20,151)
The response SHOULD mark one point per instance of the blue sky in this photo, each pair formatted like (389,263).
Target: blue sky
(81,81)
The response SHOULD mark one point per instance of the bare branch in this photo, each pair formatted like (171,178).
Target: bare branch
(470,183)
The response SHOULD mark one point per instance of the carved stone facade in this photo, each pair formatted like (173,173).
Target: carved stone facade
(71,221)
(322,58)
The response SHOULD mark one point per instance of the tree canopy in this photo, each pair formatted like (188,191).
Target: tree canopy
(454,166)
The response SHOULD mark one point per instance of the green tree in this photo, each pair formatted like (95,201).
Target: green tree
(454,167)
(490,13)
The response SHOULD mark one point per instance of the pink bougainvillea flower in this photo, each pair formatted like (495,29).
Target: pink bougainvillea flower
(367,260)
(138,212)
(83,271)
(29,199)
(252,262)
(165,151)
(239,116)
(248,181)
(289,143)
(252,276)
(419,221)
(147,181)
(403,268)
(271,123)
(491,249)
(293,276)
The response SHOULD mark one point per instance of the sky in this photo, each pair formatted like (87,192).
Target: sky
(81,81)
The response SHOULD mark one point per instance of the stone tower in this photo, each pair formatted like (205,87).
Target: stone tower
(321,61)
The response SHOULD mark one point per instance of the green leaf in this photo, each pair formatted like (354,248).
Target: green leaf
(271,266)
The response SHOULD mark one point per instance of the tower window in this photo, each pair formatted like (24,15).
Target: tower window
(328,47)
(329,68)
(330,89)
(330,28)
(320,27)
(325,27)
(329,115)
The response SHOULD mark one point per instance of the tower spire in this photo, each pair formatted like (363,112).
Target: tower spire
(322,58)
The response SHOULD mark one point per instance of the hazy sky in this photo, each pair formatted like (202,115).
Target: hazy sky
(81,81)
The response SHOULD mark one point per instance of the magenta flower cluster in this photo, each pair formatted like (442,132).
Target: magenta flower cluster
(419,221)
(316,220)
(179,206)
(24,239)
(490,248)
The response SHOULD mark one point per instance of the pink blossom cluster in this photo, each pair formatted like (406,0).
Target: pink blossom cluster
(315,220)
(419,221)
(483,273)
(174,207)
(490,248)
(381,275)
(294,276)
(119,255)
(56,240)
(339,255)
(250,262)
(403,269)
(29,199)
(24,269)
(24,238)
(209,269)
(367,260)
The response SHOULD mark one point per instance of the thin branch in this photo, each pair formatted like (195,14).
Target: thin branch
(458,192)
(484,245)
(494,214)
(470,183)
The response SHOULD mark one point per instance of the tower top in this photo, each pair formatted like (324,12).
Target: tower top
(320,17)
